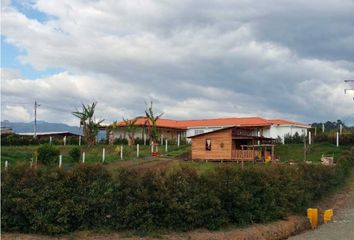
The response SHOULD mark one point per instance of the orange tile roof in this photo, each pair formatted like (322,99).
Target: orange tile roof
(286,122)
(184,124)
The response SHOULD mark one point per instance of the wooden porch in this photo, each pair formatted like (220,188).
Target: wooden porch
(264,153)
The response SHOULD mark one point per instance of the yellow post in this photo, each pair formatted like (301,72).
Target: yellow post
(312,215)
(327,215)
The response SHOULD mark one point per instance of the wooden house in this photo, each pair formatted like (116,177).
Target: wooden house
(233,144)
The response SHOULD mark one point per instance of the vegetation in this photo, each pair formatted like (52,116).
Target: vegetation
(89,197)
(75,154)
(88,122)
(295,152)
(48,154)
(130,128)
(152,128)
(93,154)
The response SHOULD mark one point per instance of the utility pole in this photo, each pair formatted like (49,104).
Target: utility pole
(36,105)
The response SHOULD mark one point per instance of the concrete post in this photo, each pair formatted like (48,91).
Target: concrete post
(83,157)
(310,140)
(60,160)
(144,138)
(121,152)
(79,140)
(178,139)
(323,127)
(137,150)
(337,142)
(64,140)
(50,140)
(103,154)
(6,164)
(166,146)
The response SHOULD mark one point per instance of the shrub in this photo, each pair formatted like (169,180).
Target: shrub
(53,201)
(48,154)
(75,154)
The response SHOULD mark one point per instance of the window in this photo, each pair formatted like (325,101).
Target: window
(208,144)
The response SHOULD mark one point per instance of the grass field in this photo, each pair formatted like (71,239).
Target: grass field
(283,152)
(25,153)
(295,152)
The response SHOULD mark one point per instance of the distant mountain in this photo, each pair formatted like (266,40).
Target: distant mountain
(21,127)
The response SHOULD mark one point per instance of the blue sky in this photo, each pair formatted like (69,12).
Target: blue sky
(194,59)
(10,53)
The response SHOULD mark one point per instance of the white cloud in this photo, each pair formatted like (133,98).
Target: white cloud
(195,59)
(15,113)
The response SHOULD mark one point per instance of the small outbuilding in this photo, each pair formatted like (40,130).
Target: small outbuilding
(233,144)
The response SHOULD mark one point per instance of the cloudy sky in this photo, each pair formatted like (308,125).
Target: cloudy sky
(193,59)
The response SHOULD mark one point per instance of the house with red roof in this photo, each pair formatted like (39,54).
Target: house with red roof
(174,129)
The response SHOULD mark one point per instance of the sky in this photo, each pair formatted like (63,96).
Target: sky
(194,59)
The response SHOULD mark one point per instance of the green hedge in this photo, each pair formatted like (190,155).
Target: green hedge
(53,201)
(19,140)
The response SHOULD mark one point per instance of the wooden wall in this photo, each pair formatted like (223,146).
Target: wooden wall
(221,144)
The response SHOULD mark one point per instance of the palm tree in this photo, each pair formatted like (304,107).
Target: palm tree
(90,126)
(130,127)
(152,128)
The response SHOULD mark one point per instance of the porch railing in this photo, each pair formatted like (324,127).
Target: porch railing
(243,154)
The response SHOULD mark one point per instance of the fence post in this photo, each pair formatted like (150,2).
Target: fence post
(103,154)
(178,139)
(64,139)
(322,127)
(340,129)
(144,138)
(83,157)
(337,142)
(60,160)
(121,152)
(6,165)
(310,140)
(166,148)
(50,140)
(161,139)
(79,140)
(137,150)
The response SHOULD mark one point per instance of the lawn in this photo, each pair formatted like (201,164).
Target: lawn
(25,153)
(283,152)
(295,152)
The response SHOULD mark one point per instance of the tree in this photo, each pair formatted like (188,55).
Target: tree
(152,119)
(130,127)
(90,126)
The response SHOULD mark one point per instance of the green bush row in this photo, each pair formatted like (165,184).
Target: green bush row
(53,201)
(18,140)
